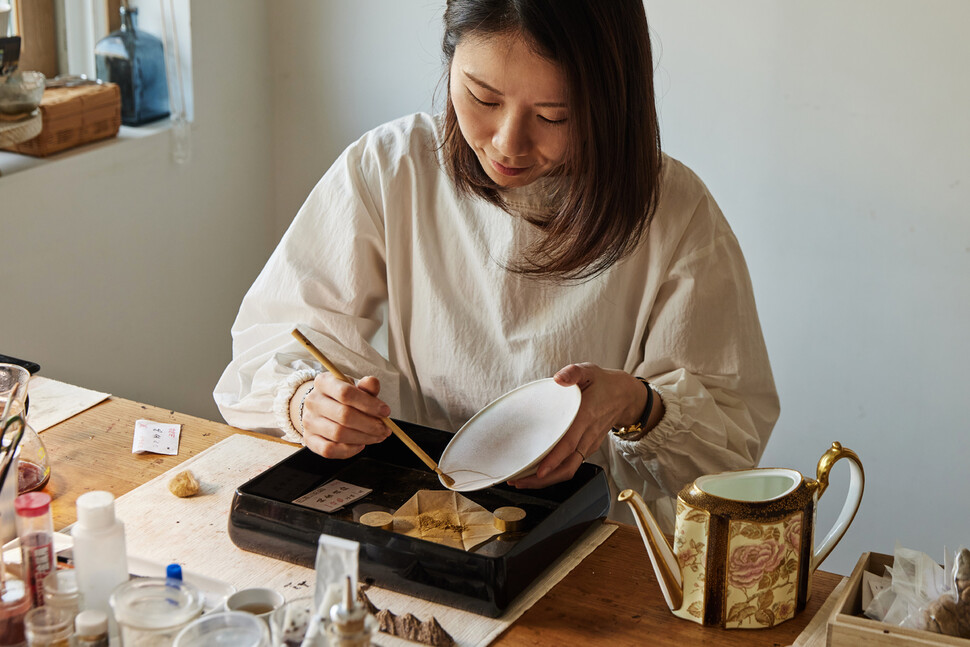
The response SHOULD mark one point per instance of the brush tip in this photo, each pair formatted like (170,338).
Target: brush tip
(447,480)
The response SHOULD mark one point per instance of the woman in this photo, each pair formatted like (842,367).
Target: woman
(534,229)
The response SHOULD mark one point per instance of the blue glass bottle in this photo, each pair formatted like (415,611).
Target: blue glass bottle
(135,60)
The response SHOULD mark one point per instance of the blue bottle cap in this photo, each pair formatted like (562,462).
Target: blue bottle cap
(173,572)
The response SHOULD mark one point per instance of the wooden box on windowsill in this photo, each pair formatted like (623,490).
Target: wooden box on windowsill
(74,116)
(849,628)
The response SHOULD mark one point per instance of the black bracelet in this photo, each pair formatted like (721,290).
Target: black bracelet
(636,431)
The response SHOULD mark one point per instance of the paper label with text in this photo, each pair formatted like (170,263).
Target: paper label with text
(332,496)
(156,438)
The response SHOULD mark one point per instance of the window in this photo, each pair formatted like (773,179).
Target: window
(58,37)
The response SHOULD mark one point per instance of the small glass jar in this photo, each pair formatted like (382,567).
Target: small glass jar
(49,627)
(150,611)
(60,590)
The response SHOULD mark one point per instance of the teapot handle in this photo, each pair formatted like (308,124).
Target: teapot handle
(857,481)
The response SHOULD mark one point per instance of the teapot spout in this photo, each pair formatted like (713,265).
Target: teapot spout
(661,554)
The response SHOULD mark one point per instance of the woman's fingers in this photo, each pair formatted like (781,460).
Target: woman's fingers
(340,419)
(587,431)
(328,449)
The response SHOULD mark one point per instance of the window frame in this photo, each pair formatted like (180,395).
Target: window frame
(36,24)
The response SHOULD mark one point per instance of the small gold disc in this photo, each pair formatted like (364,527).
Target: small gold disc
(508,518)
(378,519)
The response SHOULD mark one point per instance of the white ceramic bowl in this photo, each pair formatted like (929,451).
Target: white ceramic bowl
(509,437)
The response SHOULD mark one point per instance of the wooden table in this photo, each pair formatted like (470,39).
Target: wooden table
(611,598)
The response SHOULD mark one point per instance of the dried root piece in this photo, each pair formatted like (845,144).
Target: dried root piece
(407,626)
(365,601)
(941,617)
(184,484)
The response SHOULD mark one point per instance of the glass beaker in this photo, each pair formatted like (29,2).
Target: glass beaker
(33,468)
(151,610)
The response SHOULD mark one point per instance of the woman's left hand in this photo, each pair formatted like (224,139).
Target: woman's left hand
(610,398)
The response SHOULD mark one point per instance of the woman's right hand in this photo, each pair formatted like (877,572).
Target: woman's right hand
(340,419)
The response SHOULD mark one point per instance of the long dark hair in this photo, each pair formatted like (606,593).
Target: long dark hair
(613,160)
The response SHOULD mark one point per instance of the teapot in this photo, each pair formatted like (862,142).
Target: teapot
(743,553)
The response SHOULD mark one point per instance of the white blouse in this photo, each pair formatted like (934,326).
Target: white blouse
(384,238)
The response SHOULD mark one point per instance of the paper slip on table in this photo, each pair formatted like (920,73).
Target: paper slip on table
(610,595)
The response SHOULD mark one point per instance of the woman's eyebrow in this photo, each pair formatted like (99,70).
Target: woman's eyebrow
(476,80)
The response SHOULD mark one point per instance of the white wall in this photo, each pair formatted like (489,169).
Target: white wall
(833,134)
(340,69)
(836,138)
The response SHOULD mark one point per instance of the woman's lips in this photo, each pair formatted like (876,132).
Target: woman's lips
(507,170)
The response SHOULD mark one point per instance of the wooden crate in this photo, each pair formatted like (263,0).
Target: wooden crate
(849,628)
(74,116)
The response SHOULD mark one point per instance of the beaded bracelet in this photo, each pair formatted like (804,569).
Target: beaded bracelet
(303,402)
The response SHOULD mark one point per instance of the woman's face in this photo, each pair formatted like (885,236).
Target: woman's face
(511,107)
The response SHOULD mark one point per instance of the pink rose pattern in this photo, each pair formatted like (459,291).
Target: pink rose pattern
(762,572)
(750,562)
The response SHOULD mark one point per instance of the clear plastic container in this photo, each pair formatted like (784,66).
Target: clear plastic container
(150,611)
(36,530)
(227,629)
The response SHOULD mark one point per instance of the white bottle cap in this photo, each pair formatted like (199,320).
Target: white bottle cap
(91,622)
(96,510)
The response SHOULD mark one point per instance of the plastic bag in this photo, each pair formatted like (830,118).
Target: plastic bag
(923,595)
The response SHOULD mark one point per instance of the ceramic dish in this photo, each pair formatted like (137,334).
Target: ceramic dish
(509,437)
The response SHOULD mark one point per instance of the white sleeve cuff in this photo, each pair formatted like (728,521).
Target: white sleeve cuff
(281,404)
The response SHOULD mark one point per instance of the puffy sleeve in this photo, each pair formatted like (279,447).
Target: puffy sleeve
(327,276)
(704,352)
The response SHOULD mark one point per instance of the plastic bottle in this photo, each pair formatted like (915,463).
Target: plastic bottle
(35,527)
(100,559)
(91,629)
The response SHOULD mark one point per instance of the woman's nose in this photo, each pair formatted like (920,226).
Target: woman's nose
(511,138)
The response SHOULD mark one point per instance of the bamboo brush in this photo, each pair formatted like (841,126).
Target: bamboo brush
(413,446)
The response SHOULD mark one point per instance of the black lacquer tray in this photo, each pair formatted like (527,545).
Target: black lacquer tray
(485,580)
